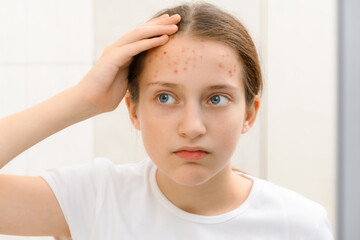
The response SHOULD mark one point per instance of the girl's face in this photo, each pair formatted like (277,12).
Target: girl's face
(191,108)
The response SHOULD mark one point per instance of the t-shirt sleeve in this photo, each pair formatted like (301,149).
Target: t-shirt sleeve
(75,188)
(324,229)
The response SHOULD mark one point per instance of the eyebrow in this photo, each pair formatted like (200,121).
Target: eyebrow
(175,86)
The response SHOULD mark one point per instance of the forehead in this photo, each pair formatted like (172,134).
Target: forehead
(186,57)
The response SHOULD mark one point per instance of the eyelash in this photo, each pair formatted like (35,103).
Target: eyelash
(216,94)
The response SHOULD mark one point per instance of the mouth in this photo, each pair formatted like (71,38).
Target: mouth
(191,153)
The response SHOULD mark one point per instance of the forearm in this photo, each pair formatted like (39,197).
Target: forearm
(24,129)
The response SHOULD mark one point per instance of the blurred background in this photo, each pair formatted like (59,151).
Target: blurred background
(48,46)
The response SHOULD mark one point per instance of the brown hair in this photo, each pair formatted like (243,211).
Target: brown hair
(206,21)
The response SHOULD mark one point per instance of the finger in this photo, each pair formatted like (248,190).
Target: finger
(123,54)
(145,32)
(157,18)
(174,19)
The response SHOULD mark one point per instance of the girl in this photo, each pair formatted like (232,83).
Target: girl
(191,80)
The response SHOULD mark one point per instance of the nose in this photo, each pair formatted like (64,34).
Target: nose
(191,124)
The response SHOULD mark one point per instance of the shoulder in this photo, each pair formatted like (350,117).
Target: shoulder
(121,174)
(301,215)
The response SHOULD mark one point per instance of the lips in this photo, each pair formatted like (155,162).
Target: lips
(191,154)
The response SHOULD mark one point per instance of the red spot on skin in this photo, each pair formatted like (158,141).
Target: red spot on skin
(220,65)
(174,62)
(186,62)
(164,52)
(172,37)
(156,55)
(200,56)
(149,61)
(202,46)
(230,73)
(202,40)
(176,71)
(185,68)
(155,76)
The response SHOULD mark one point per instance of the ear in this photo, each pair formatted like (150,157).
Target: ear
(251,115)
(132,108)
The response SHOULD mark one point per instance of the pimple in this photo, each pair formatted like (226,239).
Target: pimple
(230,73)
(201,57)
(164,52)
(150,60)
(172,37)
(202,40)
(220,65)
(176,71)
(156,55)
(185,69)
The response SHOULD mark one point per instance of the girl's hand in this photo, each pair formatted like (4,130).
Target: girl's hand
(106,83)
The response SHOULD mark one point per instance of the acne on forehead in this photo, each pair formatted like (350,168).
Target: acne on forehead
(183,58)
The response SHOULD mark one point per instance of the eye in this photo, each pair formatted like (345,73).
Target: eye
(166,98)
(219,100)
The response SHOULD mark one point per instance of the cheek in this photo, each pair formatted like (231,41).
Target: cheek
(227,132)
(155,130)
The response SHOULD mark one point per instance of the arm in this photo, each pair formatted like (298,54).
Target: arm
(26,128)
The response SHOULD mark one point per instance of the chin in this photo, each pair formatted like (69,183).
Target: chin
(190,176)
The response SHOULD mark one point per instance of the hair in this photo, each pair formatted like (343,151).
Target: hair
(206,21)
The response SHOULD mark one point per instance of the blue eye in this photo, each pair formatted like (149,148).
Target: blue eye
(219,100)
(166,99)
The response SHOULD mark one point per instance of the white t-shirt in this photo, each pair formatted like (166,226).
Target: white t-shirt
(108,201)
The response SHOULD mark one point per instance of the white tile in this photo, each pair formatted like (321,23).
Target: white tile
(60,31)
(13,84)
(13,31)
(73,145)
(17,166)
(46,81)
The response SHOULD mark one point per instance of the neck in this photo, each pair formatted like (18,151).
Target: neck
(222,193)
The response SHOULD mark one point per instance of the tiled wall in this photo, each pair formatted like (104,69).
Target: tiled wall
(45,47)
